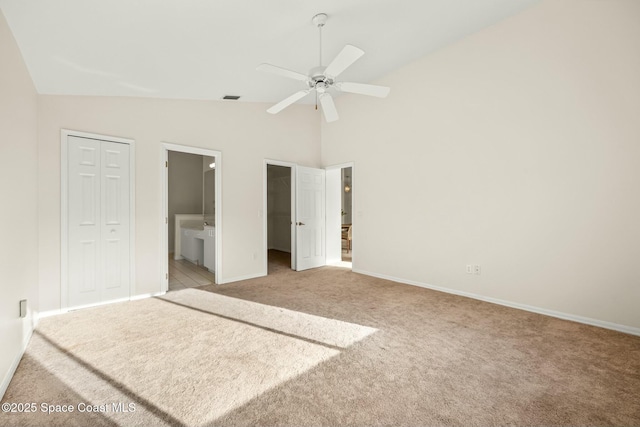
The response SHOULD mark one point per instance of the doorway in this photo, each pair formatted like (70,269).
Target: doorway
(340,215)
(307,215)
(191,217)
(279,182)
(346,212)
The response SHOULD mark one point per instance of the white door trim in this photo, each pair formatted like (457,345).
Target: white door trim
(340,166)
(265,253)
(64,214)
(164,262)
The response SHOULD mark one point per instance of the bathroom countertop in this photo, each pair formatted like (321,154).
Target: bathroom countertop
(193,224)
(193,227)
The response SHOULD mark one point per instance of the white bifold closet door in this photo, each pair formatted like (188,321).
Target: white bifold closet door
(98,221)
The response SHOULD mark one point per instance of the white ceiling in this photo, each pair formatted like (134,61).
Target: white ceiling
(205,49)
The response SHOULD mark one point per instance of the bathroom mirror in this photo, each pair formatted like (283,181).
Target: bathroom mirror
(209,192)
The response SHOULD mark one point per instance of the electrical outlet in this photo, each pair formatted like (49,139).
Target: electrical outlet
(469,269)
(476,269)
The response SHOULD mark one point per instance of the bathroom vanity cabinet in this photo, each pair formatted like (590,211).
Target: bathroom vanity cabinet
(198,245)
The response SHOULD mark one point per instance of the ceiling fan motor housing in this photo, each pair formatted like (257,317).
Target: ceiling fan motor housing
(317,78)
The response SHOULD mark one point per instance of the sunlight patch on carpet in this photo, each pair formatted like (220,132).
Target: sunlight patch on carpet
(192,359)
(316,328)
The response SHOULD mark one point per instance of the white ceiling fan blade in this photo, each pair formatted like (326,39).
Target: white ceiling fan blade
(268,68)
(328,107)
(363,89)
(347,56)
(288,101)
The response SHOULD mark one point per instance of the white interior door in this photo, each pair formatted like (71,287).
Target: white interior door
(114,218)
(310,218)
(98,221)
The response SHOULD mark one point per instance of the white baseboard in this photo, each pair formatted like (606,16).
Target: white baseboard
(56,312)
(560,315)
(239,278)
(150,295)
(50,313)
(12,369)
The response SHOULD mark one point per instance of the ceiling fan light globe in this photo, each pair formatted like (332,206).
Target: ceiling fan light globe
(321,87)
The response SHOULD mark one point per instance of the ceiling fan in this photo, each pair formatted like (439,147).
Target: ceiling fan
(320,79)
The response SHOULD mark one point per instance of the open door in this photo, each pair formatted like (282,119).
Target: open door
(310,218)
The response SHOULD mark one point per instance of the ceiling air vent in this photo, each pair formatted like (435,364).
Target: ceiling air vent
(232,97)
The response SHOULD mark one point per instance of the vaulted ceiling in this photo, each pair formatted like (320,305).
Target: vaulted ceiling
(205,49)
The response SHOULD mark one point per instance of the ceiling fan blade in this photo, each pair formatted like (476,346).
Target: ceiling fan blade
(268,68)
(347,56)
(288,101)
(363,89)
(328,107)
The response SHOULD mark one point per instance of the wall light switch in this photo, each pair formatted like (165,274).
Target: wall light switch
(23,308)
(469,269)
(476,269)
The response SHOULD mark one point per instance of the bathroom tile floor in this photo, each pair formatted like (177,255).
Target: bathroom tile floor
(184,274)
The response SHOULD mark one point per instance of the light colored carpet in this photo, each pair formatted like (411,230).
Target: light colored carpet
(327,347)
(186,358)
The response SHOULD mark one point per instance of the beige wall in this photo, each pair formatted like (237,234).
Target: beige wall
(18,187)
(517,148)
(243,132)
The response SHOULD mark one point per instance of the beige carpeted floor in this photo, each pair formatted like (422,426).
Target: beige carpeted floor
(326,347)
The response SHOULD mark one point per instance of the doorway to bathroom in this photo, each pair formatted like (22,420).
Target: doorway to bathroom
(191,217)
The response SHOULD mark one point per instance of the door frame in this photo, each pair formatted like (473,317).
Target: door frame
(265,235)
(329,238)
(64,214)
(164,218)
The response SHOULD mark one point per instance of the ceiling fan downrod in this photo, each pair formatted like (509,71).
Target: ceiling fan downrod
(319,20)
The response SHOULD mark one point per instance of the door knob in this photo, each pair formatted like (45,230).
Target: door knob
(300,223)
